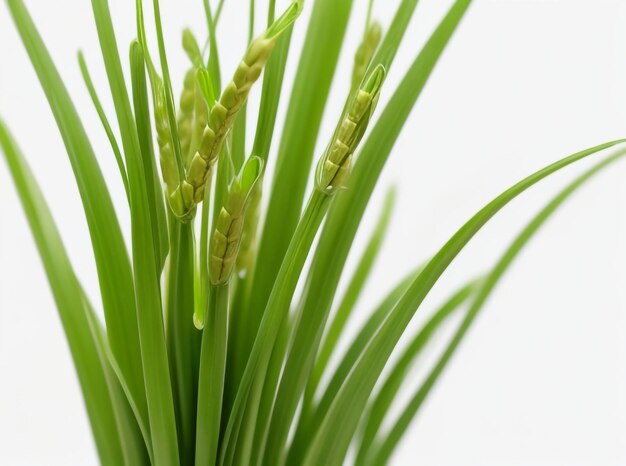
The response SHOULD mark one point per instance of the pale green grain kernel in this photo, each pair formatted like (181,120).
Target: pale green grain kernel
(208,137)
(240,77)
(197,169)
(217,117)
(230,96)
(227,234)
(350,130)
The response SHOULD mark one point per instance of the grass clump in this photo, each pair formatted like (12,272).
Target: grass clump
(207,355)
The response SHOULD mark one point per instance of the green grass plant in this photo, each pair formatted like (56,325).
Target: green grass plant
(207,353)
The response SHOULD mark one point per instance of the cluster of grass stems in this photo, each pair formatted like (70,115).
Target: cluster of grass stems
(207,355)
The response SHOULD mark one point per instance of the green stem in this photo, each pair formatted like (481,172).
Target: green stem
(276,310)
(347,305)
(211,379)
(203,257)
(269,390)
(183,338)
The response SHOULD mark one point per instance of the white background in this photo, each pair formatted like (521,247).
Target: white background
(541,378)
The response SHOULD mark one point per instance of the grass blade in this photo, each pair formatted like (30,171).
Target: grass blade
(149,309)
(103,119)
(345,214)
(386,53)
(214,60)
(134,434)
(114,272)
(167,85)
(287,398)
(325,32)
(67,294)
(312,416)
(381,404)
(277,309)
(158,214)
(333,439)
(390,442)
(183,339)
(158,388)
(353,291)
(211,381)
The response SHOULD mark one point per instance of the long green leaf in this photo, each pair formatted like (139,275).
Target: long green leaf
(384,451)
(308,98)
(333,438)
(167,86)
(114,272)
(145,256)
(277,309)
(183,339)
(134,434)
(158,214)
(345,213)
(312,416)
(214,60)
(386,53)
(380,405)
(351,295)
(104,120)
(273,75)
(286,399)
(211,381)
(268,393)
(149,310)
(68,297)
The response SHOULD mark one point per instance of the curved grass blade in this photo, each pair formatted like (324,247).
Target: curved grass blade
(266,119)
(105,122)
(114,272)
(268,393)
(353,291)
(149,308)
(158,390)
(90,368)
(325,32)
(387,447)
(312,416)
(134,435)
(380,405)
(169,96)
(286,398)
(343,220)
(277,309)
(387,50)
(158,214)
(332,440)
(214,61)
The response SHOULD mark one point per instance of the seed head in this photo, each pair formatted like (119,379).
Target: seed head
(334,166)
(229,224)
(223,113)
